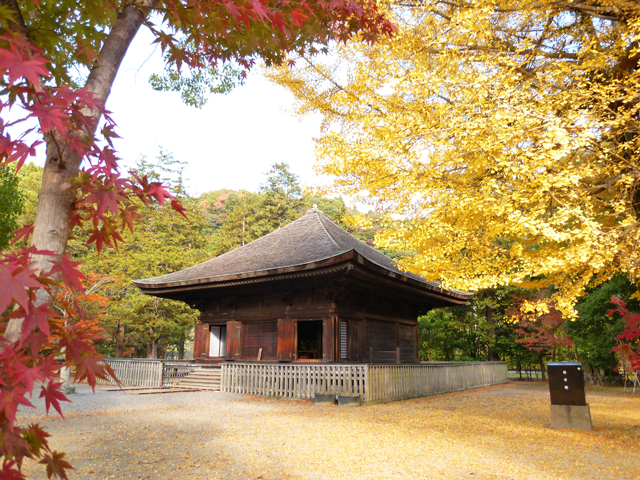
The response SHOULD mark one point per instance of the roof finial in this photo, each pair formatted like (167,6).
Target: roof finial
(314,209)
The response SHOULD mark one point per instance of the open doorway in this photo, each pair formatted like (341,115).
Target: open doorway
(217,340)
(309,340)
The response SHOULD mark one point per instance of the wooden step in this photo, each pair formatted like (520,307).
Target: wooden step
(201,379)
(204,381)
(204,378)
(207,386)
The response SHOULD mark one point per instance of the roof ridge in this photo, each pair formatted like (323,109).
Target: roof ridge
(326,231)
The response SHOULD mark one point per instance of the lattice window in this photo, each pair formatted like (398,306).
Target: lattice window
(260,335)
(344,341)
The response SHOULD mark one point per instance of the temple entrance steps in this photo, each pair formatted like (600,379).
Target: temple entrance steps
(204,378)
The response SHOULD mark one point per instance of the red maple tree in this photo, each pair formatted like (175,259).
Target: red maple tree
(42,44)
(629,347)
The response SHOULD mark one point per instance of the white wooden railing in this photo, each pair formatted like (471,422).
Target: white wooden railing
(374,383)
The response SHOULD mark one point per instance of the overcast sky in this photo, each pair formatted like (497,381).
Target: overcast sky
(229,143)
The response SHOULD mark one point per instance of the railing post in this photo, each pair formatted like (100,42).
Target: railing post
(367,385)
(371,355)
(397,354)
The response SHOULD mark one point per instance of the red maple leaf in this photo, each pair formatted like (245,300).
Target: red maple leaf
(177,206)
(10,399)
(298,17)
(50,118)
(8,471)
(36,437)
(53,396)
(36,316)
(56,465)
(68,269)
(18,64)
(22,233)
(15,287)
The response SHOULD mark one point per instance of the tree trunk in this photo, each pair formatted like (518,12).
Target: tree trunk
(152,343)
(493,341)
(120,340)
(181,350)
(56,199)
(543,370)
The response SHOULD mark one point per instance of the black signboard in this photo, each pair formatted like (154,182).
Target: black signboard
(566,383)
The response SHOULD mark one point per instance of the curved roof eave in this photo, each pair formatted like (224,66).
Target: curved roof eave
(349,255)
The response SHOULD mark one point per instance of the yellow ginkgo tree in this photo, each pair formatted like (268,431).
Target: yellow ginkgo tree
(504,131)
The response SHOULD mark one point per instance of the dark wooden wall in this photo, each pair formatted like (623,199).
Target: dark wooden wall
(265,323)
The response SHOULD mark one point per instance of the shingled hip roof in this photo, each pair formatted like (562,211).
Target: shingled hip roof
(310,239)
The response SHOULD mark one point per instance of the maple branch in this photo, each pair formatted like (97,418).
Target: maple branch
(114,49)
(16,15)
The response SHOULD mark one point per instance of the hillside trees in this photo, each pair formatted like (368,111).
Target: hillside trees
(505,131)
(282,198)
(162,242)
(240,224)
(238,218)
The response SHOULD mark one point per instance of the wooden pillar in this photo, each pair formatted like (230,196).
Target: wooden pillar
(234,330)
(328,339)
(397,342)
(201,341)
(358,340)
(286,334)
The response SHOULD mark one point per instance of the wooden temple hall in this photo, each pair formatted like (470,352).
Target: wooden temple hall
(309,292)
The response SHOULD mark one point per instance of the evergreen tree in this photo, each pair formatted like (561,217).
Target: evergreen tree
(11,205)
(282,198)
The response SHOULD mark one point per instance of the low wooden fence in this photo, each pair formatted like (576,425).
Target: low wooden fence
(374,383)
(397,382)
(136,372)
(294,381)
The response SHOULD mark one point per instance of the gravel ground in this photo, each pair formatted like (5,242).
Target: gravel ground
(491,433)
(86,402)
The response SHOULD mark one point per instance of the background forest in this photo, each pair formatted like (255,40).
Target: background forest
(126,323)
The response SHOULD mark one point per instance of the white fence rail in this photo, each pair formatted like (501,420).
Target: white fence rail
(136,372)
(374,383)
